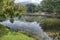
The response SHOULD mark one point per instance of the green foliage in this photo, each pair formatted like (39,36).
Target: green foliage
(51,5)
(6,34)
(10,10)
(3,31)
(51,24)
(32,8)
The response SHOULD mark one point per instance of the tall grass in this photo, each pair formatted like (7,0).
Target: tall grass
(51,24)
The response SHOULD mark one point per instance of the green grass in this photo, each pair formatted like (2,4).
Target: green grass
(51,24)
(6,34)
(15,36)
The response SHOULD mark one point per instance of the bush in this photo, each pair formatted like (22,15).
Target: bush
(51,24)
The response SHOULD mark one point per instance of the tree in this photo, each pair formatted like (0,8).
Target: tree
(10,10)
(51,5)
(32,8)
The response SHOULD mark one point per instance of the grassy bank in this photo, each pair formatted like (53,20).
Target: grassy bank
(52,27)
(51,24)
(6,34)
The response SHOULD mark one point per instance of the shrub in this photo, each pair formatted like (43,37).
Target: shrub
(51,24)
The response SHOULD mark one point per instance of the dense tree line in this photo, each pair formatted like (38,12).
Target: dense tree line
(9,9)
(32,8)
(51,6)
